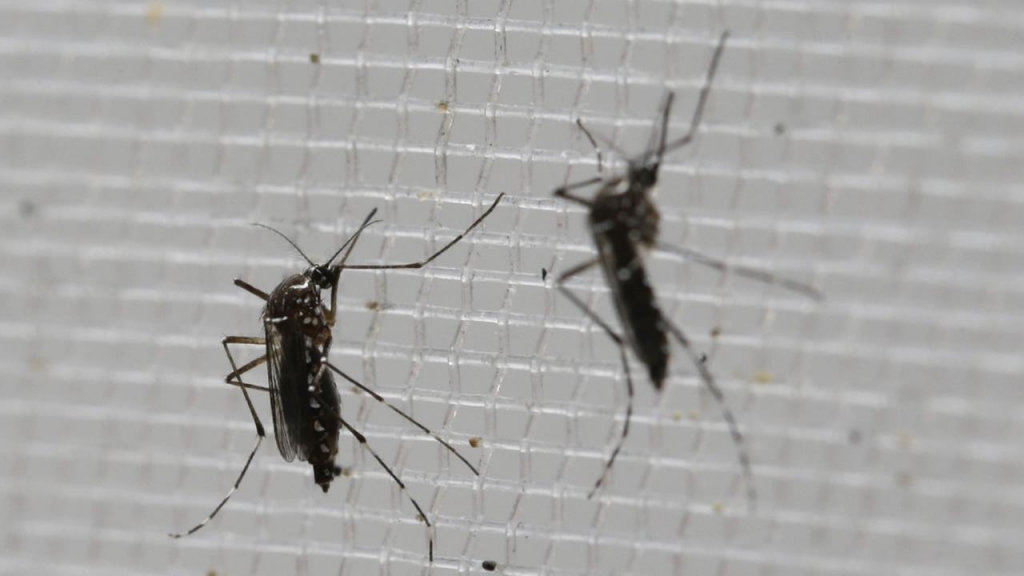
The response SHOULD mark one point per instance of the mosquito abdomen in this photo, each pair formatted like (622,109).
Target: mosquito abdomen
(634,300)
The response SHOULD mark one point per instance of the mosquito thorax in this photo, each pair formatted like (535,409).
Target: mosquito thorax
(627,214)
(294,292)
(642,179)
(297,299)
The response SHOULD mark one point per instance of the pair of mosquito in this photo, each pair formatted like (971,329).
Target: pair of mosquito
(624,223)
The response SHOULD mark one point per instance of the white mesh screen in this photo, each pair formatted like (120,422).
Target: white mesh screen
(871,148)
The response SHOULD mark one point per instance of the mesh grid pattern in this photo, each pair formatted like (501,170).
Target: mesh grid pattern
(871,148)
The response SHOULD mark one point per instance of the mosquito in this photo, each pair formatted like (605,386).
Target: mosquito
(624,223)
(304,398)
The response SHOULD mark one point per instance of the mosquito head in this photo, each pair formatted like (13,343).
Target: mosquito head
(642,178)
(323,275)
(320,275)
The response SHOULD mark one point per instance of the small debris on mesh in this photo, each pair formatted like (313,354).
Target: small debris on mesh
(372,305)
(490,565)
(314,58)
(905,440)
(763,377)
(154,13)
(475,441)
(543,274)
(780,129)
(26,209)
(37,364)
(855,437)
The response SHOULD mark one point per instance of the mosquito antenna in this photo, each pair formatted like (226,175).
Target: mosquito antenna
(605,140)
(287,239)
(366,224)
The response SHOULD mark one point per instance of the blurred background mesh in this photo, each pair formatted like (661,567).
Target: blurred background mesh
(872,148)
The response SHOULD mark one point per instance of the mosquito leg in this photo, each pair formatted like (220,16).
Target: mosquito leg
(593,143)
(423,263)
(333,311)
(351,244)
(666,112)
(727,414)
(362,440)
(702,100)
(251,289)
(564,191)
(237,372)
(234,370)
(560,282)
(398,411)
(250,386)
(625,426)
(234,377)
(260,433)
(747,272)
(594,137)
(249,366)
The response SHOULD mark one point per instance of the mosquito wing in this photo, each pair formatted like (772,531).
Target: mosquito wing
(287,377)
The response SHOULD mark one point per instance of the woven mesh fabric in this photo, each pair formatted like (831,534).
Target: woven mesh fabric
(871,148)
